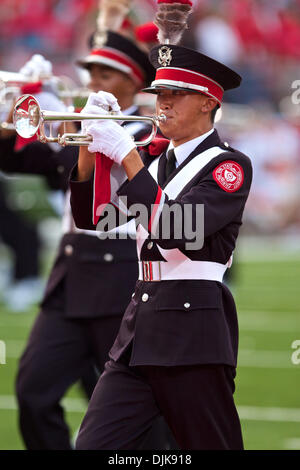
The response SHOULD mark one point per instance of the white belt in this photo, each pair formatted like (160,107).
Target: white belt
(187,269)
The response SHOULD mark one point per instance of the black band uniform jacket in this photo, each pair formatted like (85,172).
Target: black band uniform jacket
(181,321)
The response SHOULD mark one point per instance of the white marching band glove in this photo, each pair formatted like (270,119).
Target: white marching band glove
(111,139)
(37,68)
(40,69)
(99,103)
(104,100)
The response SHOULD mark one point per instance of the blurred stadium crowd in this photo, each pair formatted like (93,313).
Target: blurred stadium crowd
(258,38)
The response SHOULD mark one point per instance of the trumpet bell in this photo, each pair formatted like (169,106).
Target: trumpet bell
(27,116)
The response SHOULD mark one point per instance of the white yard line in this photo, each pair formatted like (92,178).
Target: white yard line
(292,443)
(251,413)
(74,405)
(14,348)
(260,413)
(246,357)
(274,327)
(266,359)
(248,320)
(269,321)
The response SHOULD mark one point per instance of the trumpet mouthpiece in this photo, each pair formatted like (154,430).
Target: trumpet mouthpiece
(161,118)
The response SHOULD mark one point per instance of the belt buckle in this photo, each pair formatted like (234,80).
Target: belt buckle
(148,271)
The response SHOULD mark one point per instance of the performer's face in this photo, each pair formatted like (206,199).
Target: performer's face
(188,114)
(112,81)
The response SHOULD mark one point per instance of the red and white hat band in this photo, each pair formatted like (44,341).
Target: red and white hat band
(117,60)
(184,78)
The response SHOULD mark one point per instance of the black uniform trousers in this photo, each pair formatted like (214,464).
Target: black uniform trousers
(18,233)
(196,402)
(59,352)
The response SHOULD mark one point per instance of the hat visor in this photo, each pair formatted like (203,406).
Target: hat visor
(103,61)
(155,89)
(83,64)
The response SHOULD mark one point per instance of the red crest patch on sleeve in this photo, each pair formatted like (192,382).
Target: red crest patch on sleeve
(229,175)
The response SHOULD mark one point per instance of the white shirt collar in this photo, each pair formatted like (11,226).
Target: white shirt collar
(184,150)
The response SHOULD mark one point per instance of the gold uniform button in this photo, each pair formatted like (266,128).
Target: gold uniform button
(150,245)
(108,257)
(187,305)
(69,250)
(226,144)
(145,297)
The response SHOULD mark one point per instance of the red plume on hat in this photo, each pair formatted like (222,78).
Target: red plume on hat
(146,32)
(171,19)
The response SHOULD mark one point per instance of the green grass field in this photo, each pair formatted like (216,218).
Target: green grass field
(267,385)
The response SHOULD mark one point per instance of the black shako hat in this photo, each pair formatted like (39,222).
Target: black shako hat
(118,52)
(180,68)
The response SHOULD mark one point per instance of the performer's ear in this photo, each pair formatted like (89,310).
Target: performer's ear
(208,105)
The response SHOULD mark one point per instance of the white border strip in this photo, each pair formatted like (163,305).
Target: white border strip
(185,85)
(179,83)
(192,72)
(98,59)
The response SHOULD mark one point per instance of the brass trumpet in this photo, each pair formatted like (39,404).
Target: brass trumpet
(28,118)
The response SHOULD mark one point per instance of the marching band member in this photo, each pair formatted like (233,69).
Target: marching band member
(176,350)
(80,312)
(25,287)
